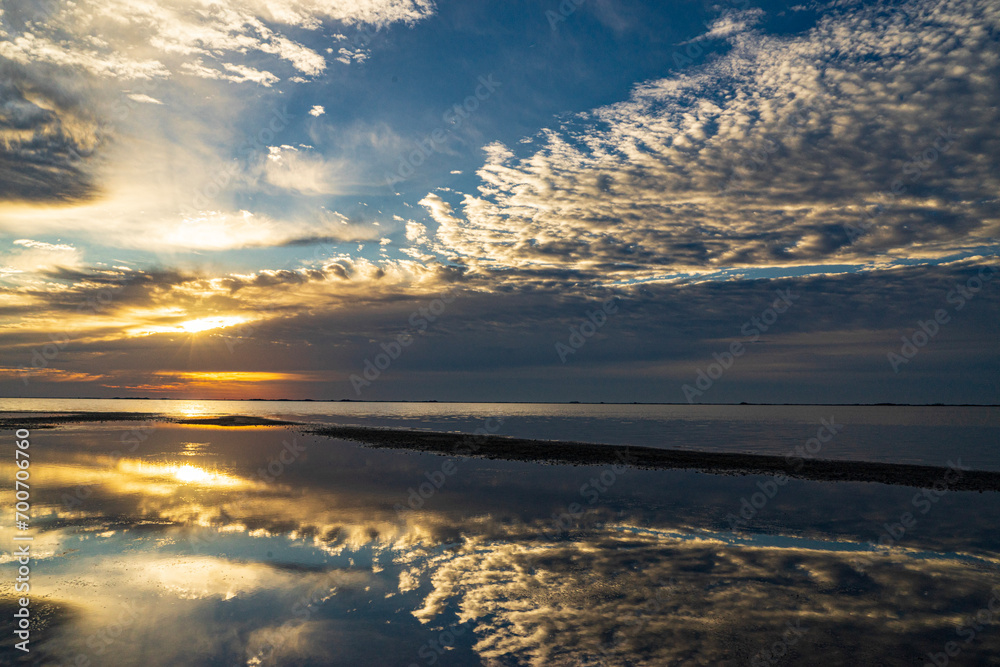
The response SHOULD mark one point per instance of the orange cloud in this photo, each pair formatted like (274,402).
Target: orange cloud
(195,378)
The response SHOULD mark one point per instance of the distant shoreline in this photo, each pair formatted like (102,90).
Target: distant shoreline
(350,400)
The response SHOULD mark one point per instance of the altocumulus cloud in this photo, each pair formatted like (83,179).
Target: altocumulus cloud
(666,180)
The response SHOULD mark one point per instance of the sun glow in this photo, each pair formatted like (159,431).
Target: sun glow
(189,473)
(186,473)
(189,326)
(206,323)
(191,409)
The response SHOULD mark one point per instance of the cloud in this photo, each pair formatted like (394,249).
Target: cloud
(45,136)
(731,23)
(756,160)
(145,99)
(762,157)
(646,598)
(152,39)
(29,243)
(329,316)
(29,257)
(232,73)
(416,232)
(347,56)
(215,230)
(301,170)
(74,75)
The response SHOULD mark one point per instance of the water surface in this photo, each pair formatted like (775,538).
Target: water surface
(164,544)
(906,434)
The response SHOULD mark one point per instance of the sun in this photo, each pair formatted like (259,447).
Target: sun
(206,323)
(193,326)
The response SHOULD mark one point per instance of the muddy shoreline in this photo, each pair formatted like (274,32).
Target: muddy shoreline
(52,420)
(721,463)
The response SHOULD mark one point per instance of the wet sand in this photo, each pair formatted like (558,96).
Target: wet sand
(51,419)
(235,420)
(583,453)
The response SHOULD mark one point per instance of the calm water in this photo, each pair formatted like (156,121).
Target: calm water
(930,435)
(164,544)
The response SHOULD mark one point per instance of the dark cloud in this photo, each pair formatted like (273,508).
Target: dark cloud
(46,142)
(105,291)
(831,344)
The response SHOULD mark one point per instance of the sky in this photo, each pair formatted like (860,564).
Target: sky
(593,200)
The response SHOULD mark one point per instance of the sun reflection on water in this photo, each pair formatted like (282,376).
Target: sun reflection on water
(185,473)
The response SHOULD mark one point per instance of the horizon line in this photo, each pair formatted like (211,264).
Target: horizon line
(351,400)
